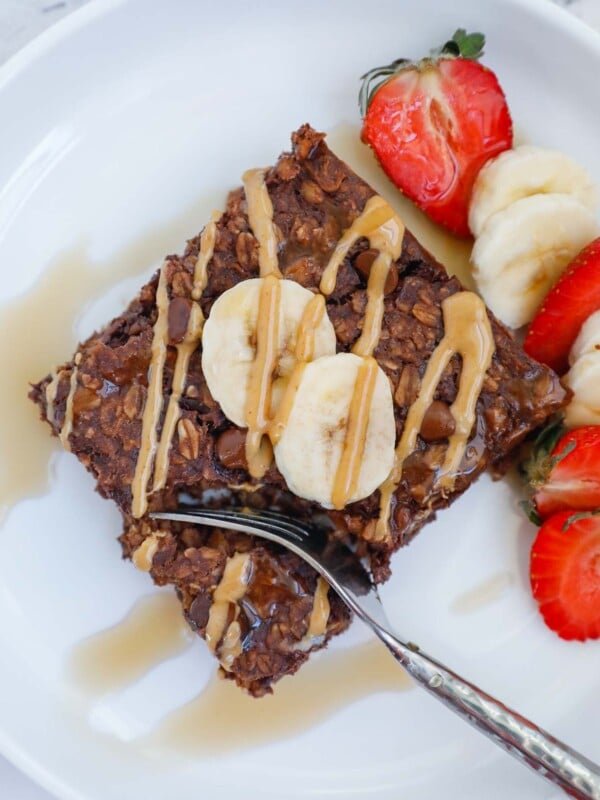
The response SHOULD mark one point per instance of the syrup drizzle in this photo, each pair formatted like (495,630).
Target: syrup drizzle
(468,333)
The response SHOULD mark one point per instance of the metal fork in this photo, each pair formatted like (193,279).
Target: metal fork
(347,576)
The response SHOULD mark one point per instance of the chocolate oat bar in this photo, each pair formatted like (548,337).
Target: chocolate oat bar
(134,405)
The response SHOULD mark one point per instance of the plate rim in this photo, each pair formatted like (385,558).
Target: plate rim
(10,72)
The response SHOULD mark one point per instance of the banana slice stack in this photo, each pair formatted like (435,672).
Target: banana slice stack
(532,210)
(309,447)
(584,376)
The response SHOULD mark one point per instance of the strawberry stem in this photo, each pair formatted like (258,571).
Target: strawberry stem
(463,45)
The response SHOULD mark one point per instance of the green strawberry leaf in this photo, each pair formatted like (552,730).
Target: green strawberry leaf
(538,464)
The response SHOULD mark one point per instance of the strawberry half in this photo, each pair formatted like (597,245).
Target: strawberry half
(568,304)
(434,123)
(568,476)
(565,574)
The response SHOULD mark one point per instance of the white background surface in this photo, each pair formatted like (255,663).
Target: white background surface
(20,21)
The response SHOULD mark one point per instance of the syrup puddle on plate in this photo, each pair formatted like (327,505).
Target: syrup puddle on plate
(222,718)
(482,595)
(153,631)
(37,330)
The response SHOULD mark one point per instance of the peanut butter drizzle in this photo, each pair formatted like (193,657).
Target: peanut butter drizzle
(230,590)
(67,426)
(311,319)
(142,557)
(207,249)
(319,617)
(305,346)
(279,421)
(468,333)
(258,404)
(260,216)
(346,476)
(185,351)
(51,390)
(317,624)
(154,401)
(384,229)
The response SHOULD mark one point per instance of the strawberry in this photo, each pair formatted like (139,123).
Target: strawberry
(568,304)
(565,574)
(434,123)
(566,475)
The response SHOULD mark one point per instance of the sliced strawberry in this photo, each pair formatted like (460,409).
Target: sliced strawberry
(572,481)
(565,574)
(568,304)
(434,124)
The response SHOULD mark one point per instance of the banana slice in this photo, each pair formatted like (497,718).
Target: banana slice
(310,449)
(526,171)
(584,376)
(588,339)
(229,342)
(584,380)
(524,248)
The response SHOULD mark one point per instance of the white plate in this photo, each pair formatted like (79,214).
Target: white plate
(130,120)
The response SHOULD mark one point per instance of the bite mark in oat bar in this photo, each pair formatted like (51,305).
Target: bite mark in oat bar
(104,395)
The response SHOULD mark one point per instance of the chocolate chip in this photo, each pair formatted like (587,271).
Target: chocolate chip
(198,613)
(363,263)
(438,422)
(231,449)
(179,315)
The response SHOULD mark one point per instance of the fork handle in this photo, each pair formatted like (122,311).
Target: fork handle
(574,773)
